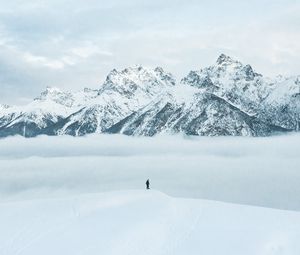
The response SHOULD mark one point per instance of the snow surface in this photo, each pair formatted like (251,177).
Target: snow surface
(284,90)
(144,222)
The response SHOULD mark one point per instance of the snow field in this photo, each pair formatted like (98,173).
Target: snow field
(144,222)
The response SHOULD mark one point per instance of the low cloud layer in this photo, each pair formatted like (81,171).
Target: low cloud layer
(256,171)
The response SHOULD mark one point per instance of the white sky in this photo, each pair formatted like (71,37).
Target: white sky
(74,44)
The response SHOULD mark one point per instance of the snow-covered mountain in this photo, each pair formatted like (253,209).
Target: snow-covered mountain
(122,94)
(206,114)
(236,83)
(227,98)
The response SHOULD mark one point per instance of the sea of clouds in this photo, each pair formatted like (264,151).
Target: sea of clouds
(255,171)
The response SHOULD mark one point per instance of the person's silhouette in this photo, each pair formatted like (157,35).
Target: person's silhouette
(148,184)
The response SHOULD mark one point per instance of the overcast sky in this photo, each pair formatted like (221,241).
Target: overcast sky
(73,44)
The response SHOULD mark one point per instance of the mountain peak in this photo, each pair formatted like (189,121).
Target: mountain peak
(52,90)
(138,74)
(133,69)
(4,107)
(125,72)
(225,59)
(163,75)
(56,95)
(159,69)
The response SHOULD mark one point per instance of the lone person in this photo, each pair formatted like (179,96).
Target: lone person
(147,184)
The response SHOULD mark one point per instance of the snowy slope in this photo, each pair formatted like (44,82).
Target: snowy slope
(144,222)
(205,114)
(282,106)
(7,114)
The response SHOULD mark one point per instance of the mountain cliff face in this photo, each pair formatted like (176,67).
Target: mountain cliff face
(227,98)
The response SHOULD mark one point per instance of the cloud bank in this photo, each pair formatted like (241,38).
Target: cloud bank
(256,171)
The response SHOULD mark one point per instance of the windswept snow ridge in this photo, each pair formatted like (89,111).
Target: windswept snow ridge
(227,98)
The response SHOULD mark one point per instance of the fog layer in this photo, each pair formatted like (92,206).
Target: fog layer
(255,171)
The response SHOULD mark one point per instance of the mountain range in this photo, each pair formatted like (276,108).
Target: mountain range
(227,98)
